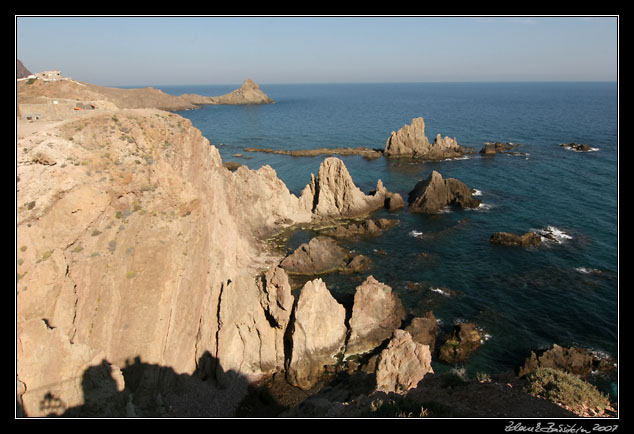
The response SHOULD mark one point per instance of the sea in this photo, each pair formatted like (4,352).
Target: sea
(564,292)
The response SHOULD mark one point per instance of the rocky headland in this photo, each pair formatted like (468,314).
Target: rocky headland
(146,285)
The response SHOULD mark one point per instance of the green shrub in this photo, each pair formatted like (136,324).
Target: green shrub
(566,390)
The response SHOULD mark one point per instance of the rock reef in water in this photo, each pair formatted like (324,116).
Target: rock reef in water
(411,141)
(435,193)
(579,147)
(460,345)
(529,239)
(492,148)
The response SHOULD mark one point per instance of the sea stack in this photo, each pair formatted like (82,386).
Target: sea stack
(434,193)
(411,141)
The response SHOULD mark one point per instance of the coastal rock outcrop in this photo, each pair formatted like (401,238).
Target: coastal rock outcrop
(322,255)
(574,360)
(463,341)
(376,313)
(434,193)
(402,364)
(318,334)
(333,193)
(411,141)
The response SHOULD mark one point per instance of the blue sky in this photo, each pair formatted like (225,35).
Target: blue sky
(140,51)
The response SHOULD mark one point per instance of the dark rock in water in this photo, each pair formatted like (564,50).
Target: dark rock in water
(463,341)
(574,360)
(577,147)
(492,148)
(424,330)
(434,193)
(529,239)
(323,255)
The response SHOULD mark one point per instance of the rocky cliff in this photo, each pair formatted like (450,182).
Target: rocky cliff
(142,259)
(133,241)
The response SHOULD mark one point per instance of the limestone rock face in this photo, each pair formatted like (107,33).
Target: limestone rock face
(402,364)
(434,193)
(318,334)
(133,242)
(376,313)
(411,141)
(333,193)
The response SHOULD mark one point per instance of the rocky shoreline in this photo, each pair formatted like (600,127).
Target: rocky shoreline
(146,285)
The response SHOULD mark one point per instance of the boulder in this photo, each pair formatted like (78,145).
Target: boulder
(463,341)
(529,239)
(333,193)
(321,255)
(376,313)
(434,193)
(424,330)
(574,360)
(411,141)
(318,334)
(402,364)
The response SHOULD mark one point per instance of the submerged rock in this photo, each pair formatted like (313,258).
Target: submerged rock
(434,193)
(376,313)
(411,141)
(318,334)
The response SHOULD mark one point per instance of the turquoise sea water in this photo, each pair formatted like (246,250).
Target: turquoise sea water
(522,299)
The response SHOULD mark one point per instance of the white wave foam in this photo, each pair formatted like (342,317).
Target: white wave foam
(586,270)
(440,291)
(415,234)
(551,233)
(476,192)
